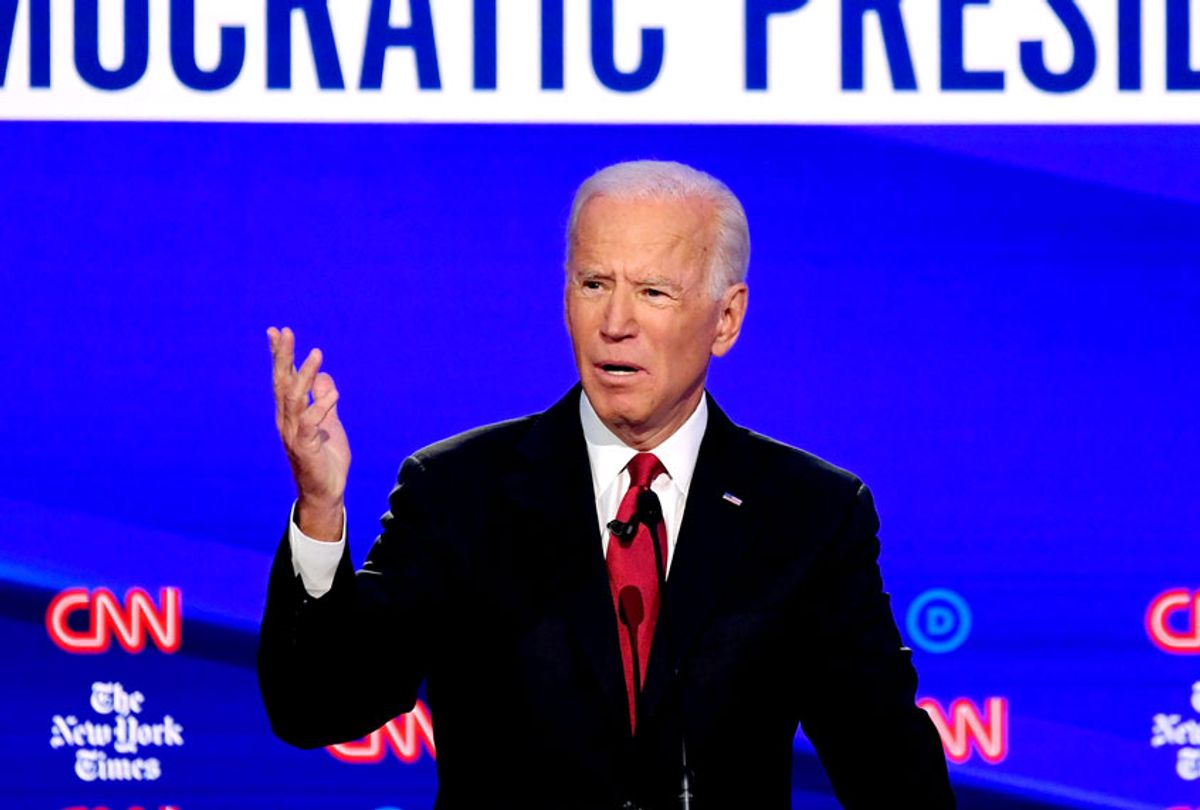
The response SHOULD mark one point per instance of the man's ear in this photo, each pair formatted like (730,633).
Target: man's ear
(733,312)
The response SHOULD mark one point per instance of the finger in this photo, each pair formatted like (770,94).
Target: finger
(302,384)
(283,343)
(323,406)
(281,369)
(322,385)
(324,389)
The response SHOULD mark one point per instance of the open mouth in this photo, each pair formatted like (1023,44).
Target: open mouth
(618,369)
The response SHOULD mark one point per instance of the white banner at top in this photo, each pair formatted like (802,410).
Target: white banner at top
(620,61)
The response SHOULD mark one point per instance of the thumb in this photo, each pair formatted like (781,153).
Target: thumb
(322,385)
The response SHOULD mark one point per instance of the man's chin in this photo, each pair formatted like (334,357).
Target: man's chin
(616,410)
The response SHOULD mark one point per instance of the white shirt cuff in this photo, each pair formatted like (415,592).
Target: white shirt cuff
(315,561)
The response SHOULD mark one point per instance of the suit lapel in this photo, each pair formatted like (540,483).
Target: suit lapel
(712,539)
(555,500)
(555,507)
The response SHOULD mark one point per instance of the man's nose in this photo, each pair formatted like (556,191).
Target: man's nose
(619,320)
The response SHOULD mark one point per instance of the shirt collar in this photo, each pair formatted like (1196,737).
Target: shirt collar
(608,455)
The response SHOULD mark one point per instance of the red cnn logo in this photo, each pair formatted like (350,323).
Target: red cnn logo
(131,623)
(987,731)
(1158,622)
(404,735)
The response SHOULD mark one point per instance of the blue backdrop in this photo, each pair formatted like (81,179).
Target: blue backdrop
(993,326)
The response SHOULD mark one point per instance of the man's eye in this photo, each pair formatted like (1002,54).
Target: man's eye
(590,284)
(653,293)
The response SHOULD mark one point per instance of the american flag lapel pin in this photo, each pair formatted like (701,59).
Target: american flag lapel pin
(733,499)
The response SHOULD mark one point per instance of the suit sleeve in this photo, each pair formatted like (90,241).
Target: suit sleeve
(337,667)
(878,748)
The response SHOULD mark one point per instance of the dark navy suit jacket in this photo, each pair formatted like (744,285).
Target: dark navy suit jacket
(488,583)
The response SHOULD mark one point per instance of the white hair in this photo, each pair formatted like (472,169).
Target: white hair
(667,180)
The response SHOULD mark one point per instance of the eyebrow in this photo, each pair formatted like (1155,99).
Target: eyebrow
(588,274)
(657,281)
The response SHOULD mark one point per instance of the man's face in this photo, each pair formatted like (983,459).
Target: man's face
(642,320)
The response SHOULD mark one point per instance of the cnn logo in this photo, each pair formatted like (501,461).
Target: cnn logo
(965,727)
(405,736)
(1178,638)
(130,623)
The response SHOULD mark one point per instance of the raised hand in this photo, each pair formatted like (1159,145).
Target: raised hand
(312,435)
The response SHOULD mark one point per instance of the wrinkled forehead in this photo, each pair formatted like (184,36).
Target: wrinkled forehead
(649,229)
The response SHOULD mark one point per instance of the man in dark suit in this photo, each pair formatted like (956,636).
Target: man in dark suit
(647,597)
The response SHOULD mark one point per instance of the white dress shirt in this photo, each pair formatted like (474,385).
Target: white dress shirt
(315,561)
(609,456)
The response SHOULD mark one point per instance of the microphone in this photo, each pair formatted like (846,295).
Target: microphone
(649,507)
(649,512)
(631,611)
(624,531)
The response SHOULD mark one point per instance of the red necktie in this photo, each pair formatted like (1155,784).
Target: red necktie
(633,577)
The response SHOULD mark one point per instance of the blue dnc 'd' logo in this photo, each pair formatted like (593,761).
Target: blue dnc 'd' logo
(938,620)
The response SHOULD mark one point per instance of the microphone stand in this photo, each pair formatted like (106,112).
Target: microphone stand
(631,612)
(649,511)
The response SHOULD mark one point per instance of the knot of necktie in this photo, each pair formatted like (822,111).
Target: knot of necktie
(643,469)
